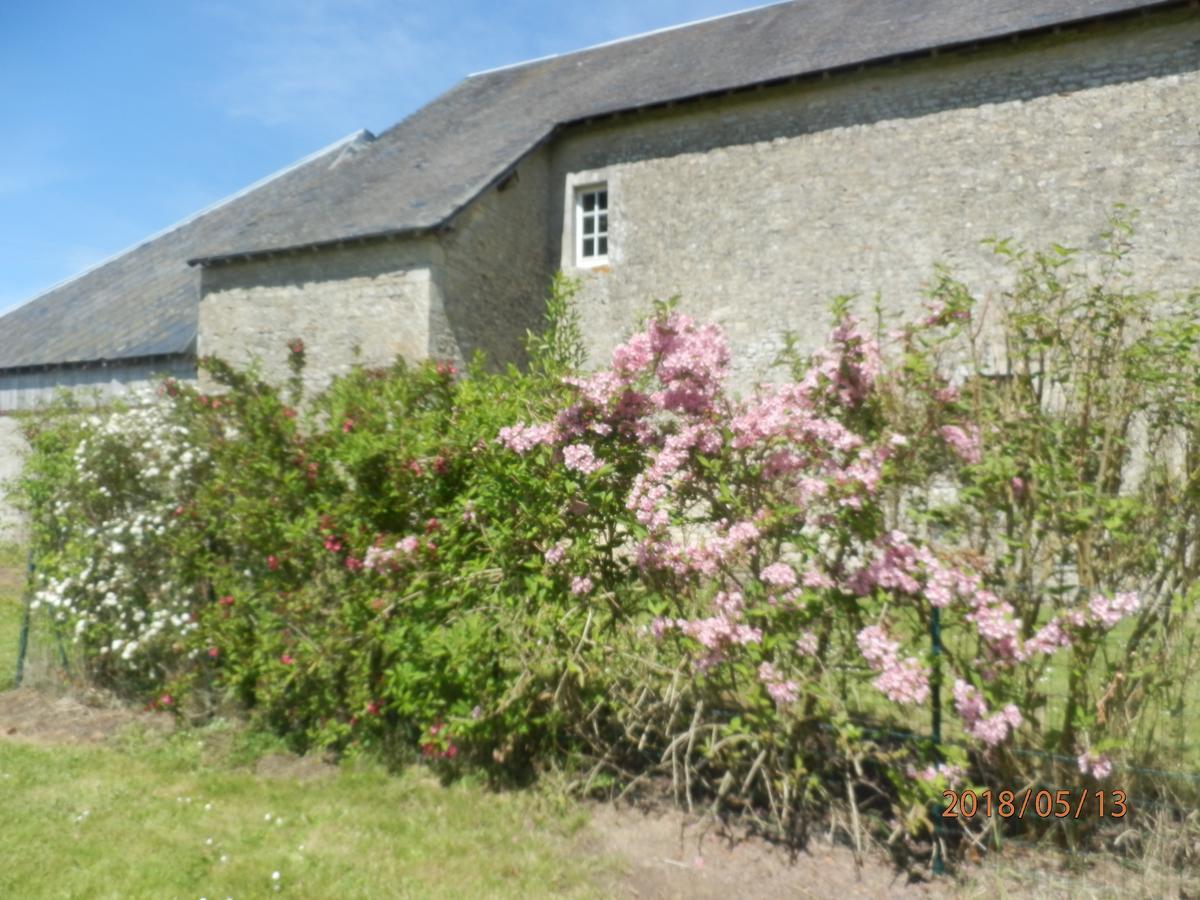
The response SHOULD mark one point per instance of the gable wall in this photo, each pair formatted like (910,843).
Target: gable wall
(491,285)
(363,303)
(12,450)
(758,208)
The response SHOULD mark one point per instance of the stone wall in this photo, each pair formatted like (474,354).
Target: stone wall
(496,269)
(12,449)
(365,303)
(759,207)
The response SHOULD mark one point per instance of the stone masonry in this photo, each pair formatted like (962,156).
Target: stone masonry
(365,304)
(12,450)
(760,207)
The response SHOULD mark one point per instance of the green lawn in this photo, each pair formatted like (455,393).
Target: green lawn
(165,817)
(186,815)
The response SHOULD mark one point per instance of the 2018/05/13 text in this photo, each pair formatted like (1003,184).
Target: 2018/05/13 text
(1044,804)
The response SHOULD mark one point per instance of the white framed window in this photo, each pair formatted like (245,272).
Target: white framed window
(591,225)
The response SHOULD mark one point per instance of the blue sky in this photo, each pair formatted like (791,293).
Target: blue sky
(120,118)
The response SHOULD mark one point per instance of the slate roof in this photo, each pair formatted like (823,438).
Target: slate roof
(145,301)
(423,170)
(419,173)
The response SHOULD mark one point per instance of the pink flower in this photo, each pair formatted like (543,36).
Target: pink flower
(523,438)
(1096,765)
(555,554)
(409,544)
(373,708)
(781,690)
(347,426)
(992,730)
(227,600)
(806,644)
(580,458)
(1049,638)
(814,578)
(1107,613)
(581,584)
(213,652)
(166,700)
(779,575)
(876,647)
(953,774)
(964,442)
(272,563)
(286,659)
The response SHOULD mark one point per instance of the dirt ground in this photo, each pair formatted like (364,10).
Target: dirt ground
(30,715)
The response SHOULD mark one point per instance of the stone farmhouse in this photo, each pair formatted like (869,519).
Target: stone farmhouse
(755,164)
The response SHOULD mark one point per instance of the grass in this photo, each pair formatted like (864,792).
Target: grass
(176,816)
(186,815)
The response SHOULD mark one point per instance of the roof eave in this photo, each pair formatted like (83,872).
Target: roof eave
(369,237)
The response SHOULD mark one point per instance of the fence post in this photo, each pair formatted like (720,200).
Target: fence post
(935,735)
(23,640)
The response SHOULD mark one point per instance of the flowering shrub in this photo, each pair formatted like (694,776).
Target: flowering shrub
(638,570)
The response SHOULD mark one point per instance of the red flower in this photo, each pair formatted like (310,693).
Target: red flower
(347,426)
(451,752)
(432,525)
(286,659)
(415,467)
(296,345)
(353,564)
(439,465)
(289,413)
(373,708)
(213,652)
(227,600)
(273,563)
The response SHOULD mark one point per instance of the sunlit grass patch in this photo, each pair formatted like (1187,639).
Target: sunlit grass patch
(165,818)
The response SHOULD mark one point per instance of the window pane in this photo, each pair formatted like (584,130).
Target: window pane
(603,195)
(589,247)
(604,223)
(589,202)
(589,224)
(602,249)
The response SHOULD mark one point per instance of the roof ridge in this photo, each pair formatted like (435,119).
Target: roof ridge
(360,134)
(632,37)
